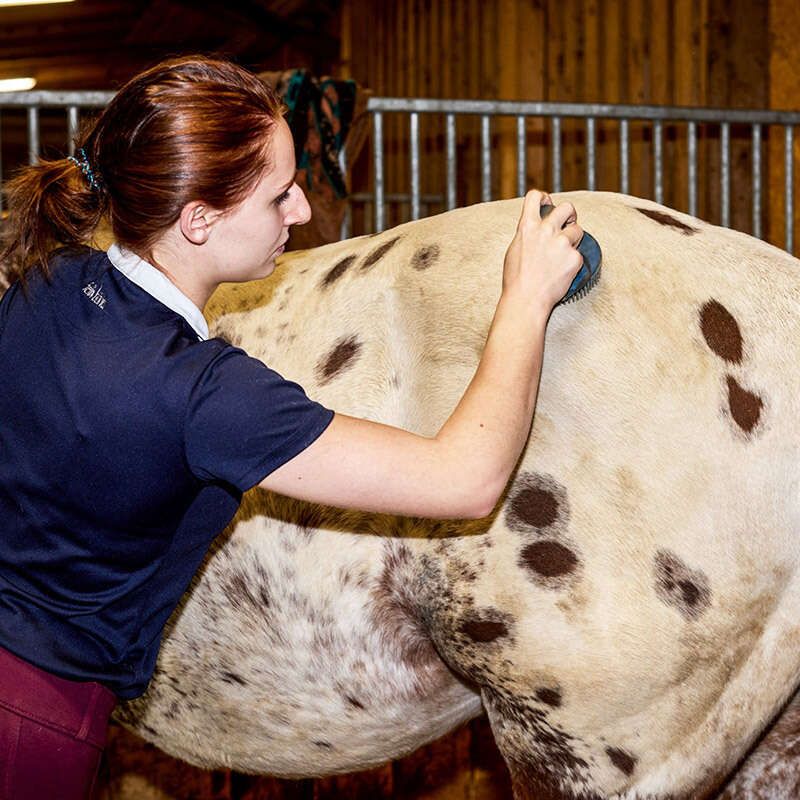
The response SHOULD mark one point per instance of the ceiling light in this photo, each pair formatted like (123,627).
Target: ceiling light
(17,84)
(5,3)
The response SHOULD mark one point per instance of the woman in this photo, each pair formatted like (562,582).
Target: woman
(128,437)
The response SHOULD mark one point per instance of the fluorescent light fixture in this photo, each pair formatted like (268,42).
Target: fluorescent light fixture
(5,3)
(17,84)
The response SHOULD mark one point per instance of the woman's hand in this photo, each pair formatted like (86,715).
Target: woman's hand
(541,260)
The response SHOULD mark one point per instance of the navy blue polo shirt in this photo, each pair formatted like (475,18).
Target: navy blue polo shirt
(126,442)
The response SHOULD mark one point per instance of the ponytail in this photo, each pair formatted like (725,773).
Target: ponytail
(51,204)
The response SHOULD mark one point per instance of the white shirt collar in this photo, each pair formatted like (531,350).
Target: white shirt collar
(157,285)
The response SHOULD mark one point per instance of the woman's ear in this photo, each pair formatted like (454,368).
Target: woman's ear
(195,221)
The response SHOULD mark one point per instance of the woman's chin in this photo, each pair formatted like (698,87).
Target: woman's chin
(270,267)
(264,271)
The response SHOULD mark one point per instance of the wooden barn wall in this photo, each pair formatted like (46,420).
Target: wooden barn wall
(784,92)
(726,53)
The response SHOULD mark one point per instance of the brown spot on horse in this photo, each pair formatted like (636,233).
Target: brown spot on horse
(378,253)
(549,558)
(484,629)
(745,406)
(550,697)
(425,257)
(721,331)
(679,586)
(337,270)
(343,355)
(623,761)
(535,503)
(666,219)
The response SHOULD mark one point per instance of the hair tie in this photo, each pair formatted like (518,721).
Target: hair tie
(86,168)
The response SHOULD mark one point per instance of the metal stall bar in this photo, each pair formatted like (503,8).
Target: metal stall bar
(522,166)
(50,99)
(756,149)
(72,128)
(691,136)
(591,166)
(658,159)
(347,220)
(725,174)
(414,142)
(624,157)
(789,172)
(556,179)
(451,161)
(486,160)
(377,121)
(33,134)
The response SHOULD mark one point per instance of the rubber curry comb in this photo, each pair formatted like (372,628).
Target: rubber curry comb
(589,273)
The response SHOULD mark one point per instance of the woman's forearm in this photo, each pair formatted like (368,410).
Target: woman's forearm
(485,434)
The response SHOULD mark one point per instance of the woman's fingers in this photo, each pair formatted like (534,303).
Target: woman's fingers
(533,201)
(563,214)
(574,233)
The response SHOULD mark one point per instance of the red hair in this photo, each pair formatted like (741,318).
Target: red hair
(191,128)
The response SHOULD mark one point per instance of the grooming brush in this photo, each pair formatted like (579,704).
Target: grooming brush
(589,273)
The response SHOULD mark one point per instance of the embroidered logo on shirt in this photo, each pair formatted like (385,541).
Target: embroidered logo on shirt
(95,294)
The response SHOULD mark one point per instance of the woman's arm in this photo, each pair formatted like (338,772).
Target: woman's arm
(462,471)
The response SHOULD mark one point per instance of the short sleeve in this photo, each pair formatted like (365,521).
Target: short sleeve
(243,420)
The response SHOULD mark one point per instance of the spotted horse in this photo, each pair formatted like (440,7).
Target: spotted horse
(628,616)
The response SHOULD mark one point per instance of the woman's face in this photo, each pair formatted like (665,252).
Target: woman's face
(248,238)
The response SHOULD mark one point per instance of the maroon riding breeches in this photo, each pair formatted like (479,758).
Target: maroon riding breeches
(52,733)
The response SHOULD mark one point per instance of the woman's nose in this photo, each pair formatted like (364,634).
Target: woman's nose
(299,211)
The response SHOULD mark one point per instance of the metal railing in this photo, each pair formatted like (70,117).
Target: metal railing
(591,113)
(485,110)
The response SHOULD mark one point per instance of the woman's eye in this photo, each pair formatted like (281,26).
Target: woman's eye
(282,198)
